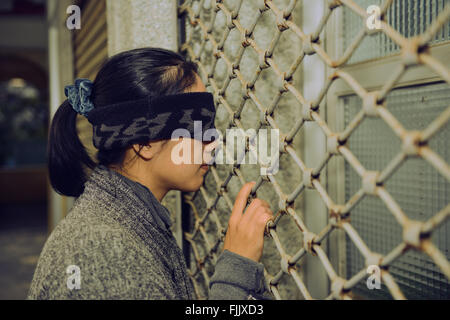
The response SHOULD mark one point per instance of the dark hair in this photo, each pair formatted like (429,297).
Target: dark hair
(129,75)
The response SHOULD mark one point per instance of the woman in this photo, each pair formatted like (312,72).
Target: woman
(115,242)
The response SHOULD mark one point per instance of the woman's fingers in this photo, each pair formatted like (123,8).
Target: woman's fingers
(241,201)
(245,235)
(264,218)
(257,213)
(255,205)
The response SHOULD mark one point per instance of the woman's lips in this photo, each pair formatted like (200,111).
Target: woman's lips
(204,166)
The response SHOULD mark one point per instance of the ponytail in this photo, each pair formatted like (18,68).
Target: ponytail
(67,156)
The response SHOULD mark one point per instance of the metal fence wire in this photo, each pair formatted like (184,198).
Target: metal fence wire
(252,56)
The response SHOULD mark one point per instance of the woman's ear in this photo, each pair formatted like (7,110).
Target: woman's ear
(144,151)
(149,150)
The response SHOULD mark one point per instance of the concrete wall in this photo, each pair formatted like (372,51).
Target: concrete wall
(141,23)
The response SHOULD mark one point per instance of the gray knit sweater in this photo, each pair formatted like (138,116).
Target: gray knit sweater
(117,235)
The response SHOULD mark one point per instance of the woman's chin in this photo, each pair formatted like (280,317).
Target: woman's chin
(192,187)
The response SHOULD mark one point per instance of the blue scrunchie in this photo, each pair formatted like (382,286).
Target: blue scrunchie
(79,96)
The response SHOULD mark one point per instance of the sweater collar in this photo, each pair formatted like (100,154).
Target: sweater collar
(120,186)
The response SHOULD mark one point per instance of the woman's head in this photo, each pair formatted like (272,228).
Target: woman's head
(128,76)
(154,164)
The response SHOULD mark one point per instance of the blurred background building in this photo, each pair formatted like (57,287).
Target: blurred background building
(348,102)
(23,132)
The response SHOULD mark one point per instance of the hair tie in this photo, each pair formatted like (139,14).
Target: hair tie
(79,94)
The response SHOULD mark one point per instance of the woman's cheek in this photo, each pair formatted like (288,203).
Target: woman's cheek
(182,172)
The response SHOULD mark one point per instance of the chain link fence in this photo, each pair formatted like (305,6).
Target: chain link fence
(361,187)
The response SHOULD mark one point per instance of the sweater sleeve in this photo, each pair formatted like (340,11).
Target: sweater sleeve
(237,278)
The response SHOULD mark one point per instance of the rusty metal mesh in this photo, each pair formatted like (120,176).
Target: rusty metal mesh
(206,44)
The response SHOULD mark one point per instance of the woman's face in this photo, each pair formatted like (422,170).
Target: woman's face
(187,176)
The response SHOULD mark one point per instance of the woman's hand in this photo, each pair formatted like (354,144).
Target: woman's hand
(245,234)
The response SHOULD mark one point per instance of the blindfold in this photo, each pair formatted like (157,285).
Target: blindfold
(140,121)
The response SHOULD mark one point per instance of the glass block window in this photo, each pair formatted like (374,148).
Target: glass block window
(409,17)
(416,186)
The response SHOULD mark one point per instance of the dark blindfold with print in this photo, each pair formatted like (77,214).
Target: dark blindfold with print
(140,121)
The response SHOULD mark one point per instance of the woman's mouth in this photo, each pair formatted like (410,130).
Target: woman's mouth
(204,167)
